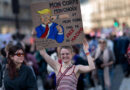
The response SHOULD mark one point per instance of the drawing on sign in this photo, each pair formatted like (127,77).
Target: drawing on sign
(57,23)
(49,29)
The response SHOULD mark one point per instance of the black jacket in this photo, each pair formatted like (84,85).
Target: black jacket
(24,81)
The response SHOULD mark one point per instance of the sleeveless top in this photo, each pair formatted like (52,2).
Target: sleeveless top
(68,82)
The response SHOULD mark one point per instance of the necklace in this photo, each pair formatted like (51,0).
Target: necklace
(66,66)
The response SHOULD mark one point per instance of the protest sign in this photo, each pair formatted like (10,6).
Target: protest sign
(57,23)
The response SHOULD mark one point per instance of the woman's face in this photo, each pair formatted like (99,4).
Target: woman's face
(18,58)
(102,44)
(66,55)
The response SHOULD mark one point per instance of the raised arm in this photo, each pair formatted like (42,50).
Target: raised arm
(54,64)
(91,66)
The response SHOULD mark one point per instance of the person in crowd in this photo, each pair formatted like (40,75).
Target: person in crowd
(67,74)
(31,60)
(104,59)
(110,43)
(18,76)
(78,60)
(127,55)
(120,46)
(4,53)
(1,71)
(42,70)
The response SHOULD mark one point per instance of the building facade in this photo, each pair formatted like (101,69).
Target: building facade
(7,17)
(106,11)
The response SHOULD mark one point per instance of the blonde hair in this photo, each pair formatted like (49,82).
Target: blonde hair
(67,47)
(45,11)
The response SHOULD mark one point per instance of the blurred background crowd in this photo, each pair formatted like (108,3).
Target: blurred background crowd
(107,29)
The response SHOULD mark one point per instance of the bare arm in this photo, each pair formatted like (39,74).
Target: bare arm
(91,66)
(54,64)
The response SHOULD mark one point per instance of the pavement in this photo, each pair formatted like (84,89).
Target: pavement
(119,82)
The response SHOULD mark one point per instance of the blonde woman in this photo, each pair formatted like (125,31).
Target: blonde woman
(67,74)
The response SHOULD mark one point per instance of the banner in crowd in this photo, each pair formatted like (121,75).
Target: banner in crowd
(57,23)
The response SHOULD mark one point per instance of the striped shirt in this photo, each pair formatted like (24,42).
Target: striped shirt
(68,82)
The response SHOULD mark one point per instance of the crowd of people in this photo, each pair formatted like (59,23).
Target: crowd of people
(79,66)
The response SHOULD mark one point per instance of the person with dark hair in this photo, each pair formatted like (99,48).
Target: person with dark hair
(3,62)
(18,76)
(31,60)
(67,74)
(42,70)
(1,71)
(78,60)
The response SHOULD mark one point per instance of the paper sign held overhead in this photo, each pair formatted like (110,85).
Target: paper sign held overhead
(57,23)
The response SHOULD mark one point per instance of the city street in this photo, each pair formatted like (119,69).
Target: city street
(40,37)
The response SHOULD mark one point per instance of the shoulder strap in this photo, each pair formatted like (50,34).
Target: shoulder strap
(60,68)
(73,68)
(62,75)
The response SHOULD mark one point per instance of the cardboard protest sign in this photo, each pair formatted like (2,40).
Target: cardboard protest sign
(57,23)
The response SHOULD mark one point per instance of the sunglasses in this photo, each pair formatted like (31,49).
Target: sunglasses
(102,42)
(19,54)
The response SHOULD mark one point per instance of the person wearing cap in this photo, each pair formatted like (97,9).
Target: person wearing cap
(49,29)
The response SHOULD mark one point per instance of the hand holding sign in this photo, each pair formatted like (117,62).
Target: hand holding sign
(34,33)
(85,46)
